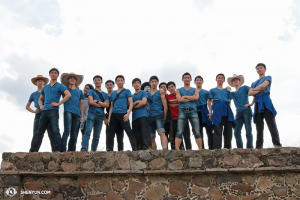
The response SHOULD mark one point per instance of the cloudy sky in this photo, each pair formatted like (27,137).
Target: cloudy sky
(143,38)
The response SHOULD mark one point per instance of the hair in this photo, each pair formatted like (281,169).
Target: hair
(40,79)
(186,73)
(72,76)
(54,69)
(119,76)
(110,81)
(144,85)
(171,83)
(97,76)
(136,79)
(90,86)
(260,64)
(162,83)
(198,77)
(220,75)
(153,77)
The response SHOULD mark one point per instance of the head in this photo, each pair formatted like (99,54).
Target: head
(186,78)
(236,82)
(261,68)
(97,80)
(72,80)
(86,89)
(153,82)
(136,83)
(171,86)
(109,84)
(53,73)
(40,82)
(146,86)
(120,80)
(199,81)
(220,78)
(163,86)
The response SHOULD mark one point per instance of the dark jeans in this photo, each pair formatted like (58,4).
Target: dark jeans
(243,117)
(48,117)
(227,133)
(208,133)
(186,135)
(120,136)
(71,125)
(116,120)
(271,123)
(141,130)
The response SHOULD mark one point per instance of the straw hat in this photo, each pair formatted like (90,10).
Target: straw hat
(65,76)
(241,77)
(39,77)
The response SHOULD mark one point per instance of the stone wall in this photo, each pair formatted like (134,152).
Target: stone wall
(220,174)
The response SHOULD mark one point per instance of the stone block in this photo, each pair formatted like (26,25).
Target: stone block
(215,193)
(201,180)
(145,155)
(6,165)
(176,165)
(34,185)
(69,166)
(155,193)
(280,190)
(195,162)
(137,165)
(113,196)
(89,165)
(198,190)
(232,160)
(136,186)
(157,163)
(178,188)
(123,162)
(243,187)
(23,166)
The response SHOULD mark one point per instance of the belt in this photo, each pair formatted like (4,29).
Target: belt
(187,108)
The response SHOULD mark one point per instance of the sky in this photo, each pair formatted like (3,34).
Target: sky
(142,38)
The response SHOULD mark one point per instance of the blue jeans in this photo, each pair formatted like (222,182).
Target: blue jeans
(156,123)
(183,117)
(48,117)
(71,124)
(96,121)
(243,117)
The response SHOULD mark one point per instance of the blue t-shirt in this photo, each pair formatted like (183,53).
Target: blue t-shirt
(203,96)
(219,94)
(190,92)
(142,111)
(156,107)
(34,97)
(266,78)
(52,94)
(120,105)
(93,109)
(73,104)
(240,98)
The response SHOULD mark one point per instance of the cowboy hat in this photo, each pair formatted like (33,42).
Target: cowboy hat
(39,77)
(64,78)
(241,77)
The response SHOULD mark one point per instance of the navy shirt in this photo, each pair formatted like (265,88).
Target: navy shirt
(190,104)
(52,94)
(156,107)
(120,105)
(142,111)
(260,81)
(34,97)
(73,104)
(202,100)
(219,94)
(93,109)
(240,98)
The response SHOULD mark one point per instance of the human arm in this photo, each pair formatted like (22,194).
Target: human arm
(195,97)
(210,103)
(29,109)
(41,102)
(258,89)
(66,98)
(164,102)
(136,104)
(126,116)
(140,103)
(82,110)
(110,111)
(180,98)
(250,104)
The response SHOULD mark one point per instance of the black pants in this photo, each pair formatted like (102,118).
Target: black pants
(186,135)
(120,135)
(140,128)
(116,120)
(271,123)
(208,133)
(227,133)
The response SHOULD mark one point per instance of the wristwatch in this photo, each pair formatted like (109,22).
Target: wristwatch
(97,101)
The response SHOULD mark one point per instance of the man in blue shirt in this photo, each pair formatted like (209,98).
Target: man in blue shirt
(157,113)
(49,103)
(264,108)
(98,100)
(187,98)
(140,124)
(119,114)
(203,112)
(221,114)
(243,110)
(73,110)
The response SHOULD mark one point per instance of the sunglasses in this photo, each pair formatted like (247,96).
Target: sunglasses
(147,87)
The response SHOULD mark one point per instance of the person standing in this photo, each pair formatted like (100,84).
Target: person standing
(264,108)
(86,89)
(49,103)
(73,110)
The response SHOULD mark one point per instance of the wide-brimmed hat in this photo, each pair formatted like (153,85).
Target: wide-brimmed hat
(64,78)
(241,77)
(39,77)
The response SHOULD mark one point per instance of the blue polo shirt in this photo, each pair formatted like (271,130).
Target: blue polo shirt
(219,94)
(93,109)
(142,111)
(73,104)
(190,104)
(240,98)
(202,100)
(34,97)
(260,81)
(52,94)
(156,107)
(120,105)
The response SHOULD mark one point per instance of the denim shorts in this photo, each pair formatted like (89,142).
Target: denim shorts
(156,123)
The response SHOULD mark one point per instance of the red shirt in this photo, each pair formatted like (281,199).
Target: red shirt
(173,106)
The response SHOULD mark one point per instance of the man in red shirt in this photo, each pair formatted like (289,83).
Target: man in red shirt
(174,110)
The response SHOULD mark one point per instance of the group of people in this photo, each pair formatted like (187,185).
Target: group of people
(153,110)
